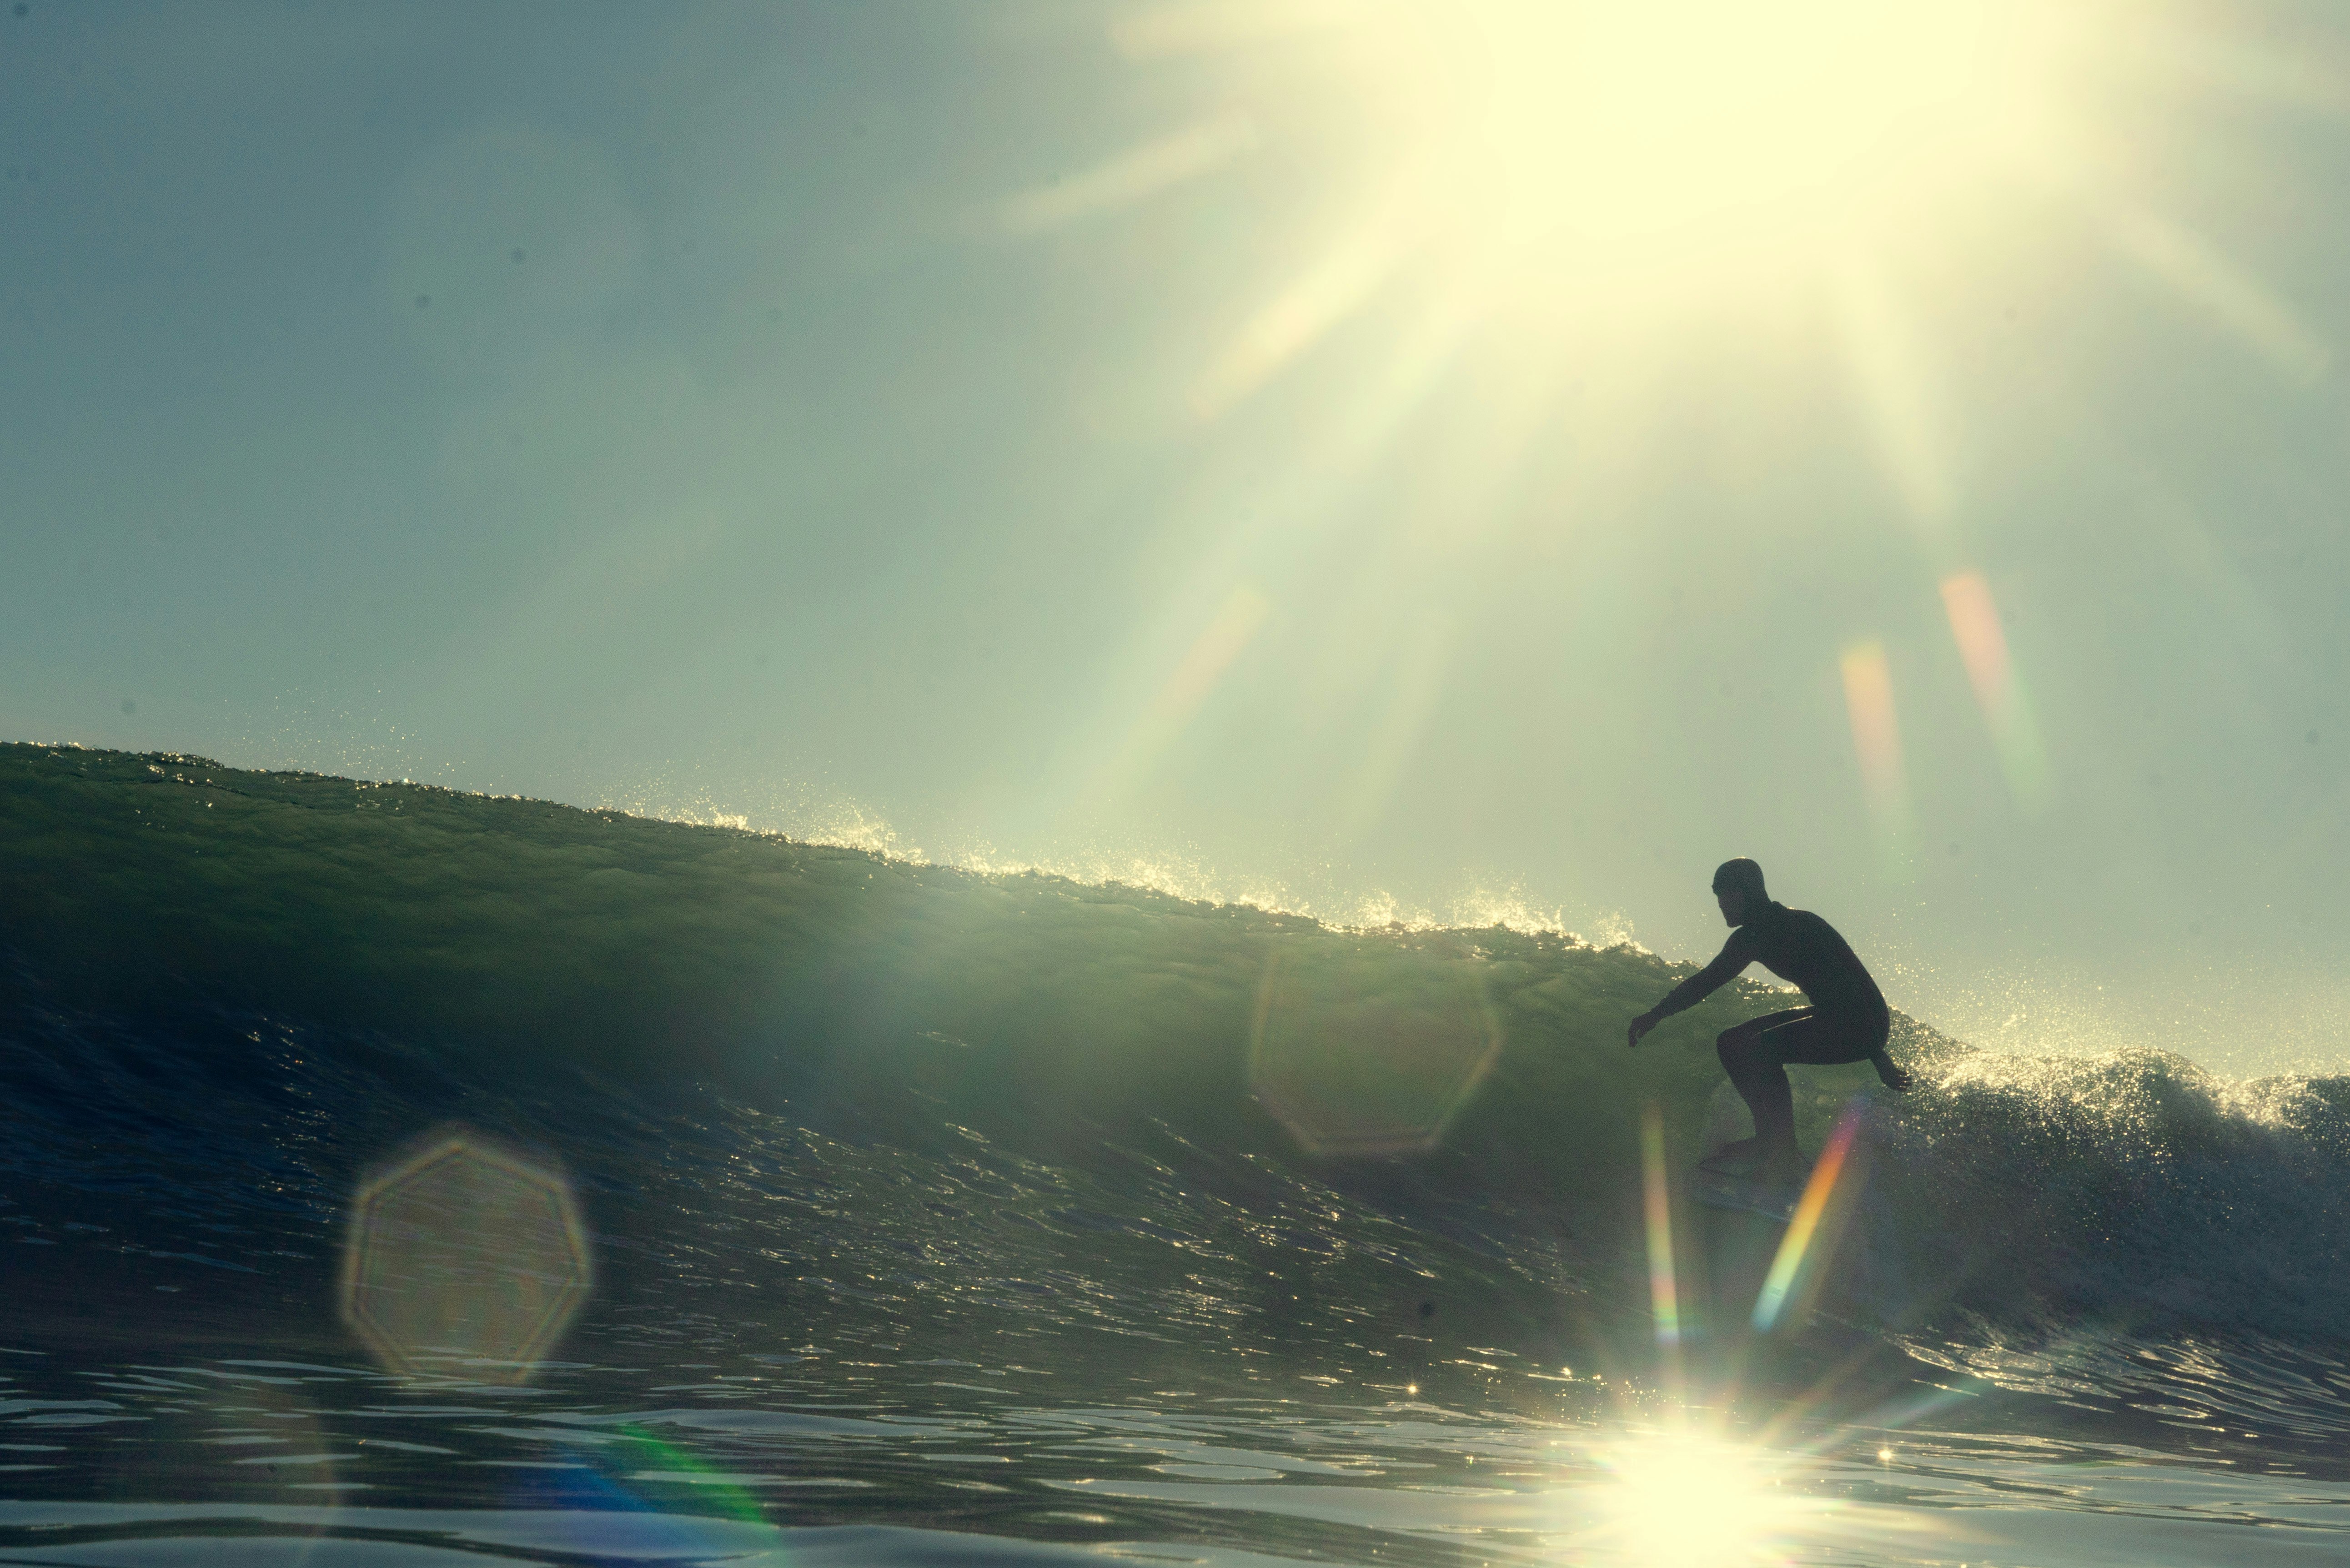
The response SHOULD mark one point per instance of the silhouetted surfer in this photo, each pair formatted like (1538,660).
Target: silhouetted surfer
(1845,1022)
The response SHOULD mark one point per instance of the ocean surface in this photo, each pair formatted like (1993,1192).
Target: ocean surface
(393,1176)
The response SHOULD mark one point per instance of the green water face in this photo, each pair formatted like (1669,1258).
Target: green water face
(513,925)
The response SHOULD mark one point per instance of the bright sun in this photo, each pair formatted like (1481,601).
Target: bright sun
(1679,137)
(1660,114)
(1539,187)
(1690,1502)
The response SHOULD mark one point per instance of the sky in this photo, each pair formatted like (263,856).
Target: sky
(1393,460)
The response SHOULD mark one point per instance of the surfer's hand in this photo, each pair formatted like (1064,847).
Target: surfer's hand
(1640,1026)
(1894,1077)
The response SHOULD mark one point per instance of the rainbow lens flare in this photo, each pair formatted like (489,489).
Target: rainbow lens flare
(1876,739)
(464,1249)
(1974,622)
(1354,1068)
(1664,1294)
(1803,1230)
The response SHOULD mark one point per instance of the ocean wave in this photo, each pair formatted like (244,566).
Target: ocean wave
(308,969)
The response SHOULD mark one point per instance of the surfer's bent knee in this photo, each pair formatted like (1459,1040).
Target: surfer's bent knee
(1746,1033)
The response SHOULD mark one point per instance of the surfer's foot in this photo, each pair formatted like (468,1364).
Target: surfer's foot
(1734,1158)
(1783,1168)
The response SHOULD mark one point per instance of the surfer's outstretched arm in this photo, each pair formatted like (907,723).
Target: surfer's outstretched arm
(1736,954)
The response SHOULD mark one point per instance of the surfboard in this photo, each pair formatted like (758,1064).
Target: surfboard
(1723,1189)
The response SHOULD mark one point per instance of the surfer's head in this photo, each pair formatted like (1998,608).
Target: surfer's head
(1738,889)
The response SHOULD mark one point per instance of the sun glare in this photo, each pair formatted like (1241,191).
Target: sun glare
(1696,136)
(1687,1502)
(1536,259)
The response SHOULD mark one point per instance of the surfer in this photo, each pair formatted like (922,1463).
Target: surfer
(1847,1020)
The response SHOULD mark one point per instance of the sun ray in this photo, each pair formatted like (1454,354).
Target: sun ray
(1215,26)
(1187,687)
(1297,318)
(1133,175)
(1898,390)
(2230,297)
(1418,684)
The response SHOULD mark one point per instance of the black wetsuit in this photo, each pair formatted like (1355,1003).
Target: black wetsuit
(1847,1020)
(1796,945)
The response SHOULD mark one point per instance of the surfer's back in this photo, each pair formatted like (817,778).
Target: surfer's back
(1804,949)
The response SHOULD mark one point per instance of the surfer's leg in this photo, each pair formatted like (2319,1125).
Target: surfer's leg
(1826,1040)
(1753,1063)
(1755,1054)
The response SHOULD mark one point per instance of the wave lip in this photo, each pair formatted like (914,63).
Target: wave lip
(2132,1189)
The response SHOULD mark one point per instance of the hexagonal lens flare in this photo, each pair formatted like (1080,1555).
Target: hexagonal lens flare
(1372,1052)
(463,1248)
